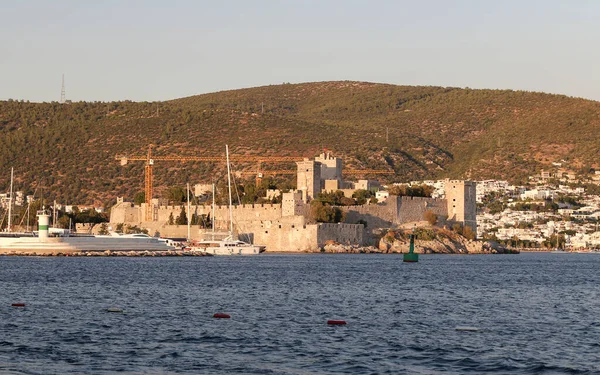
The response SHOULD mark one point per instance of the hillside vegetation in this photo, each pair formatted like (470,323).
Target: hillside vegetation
(418,132)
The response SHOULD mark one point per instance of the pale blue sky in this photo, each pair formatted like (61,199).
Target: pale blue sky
(159,50)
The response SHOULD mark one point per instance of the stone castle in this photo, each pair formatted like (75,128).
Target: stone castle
(289,227)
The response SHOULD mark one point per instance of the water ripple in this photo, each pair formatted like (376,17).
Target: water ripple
(535,313)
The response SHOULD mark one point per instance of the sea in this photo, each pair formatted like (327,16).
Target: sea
(528,313)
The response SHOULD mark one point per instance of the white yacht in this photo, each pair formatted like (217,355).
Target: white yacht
(48,240)
(41,242)
(226,247)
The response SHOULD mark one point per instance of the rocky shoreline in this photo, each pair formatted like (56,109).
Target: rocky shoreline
(438,241)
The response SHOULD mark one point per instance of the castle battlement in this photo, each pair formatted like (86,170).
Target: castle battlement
(264,206)
(337,226)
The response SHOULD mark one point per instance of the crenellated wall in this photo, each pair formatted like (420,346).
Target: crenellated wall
(243,212)
(284,227)
(376,216)
(412,209)
(284,235)
(295,235)
(396,211)
(125,212)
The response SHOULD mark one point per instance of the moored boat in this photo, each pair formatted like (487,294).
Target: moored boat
(228,245)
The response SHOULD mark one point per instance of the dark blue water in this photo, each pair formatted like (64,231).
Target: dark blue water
(537,313)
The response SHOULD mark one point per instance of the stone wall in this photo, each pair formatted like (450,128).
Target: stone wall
(266,224)
(347,234)
(125,212)
(396,211)
(411,209)
(295,235)
(375,215)
(243,212)
(285,235)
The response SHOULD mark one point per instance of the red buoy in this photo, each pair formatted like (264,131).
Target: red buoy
(18,305)
(336,322)
(221,316)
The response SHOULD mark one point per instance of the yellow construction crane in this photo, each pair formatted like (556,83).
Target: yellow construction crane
(150,160)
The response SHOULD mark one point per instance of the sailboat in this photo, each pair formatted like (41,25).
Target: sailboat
(228,245)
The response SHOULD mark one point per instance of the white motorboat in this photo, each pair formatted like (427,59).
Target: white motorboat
(226,247)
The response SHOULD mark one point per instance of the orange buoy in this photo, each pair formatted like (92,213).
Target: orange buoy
(336,322)
(18,305)
(221,316)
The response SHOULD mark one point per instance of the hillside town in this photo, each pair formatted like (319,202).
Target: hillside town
(555,209)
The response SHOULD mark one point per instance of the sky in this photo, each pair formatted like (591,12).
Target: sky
(159,50)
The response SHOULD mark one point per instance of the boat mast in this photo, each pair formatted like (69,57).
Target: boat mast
(10,200)
(229,186)
(188,209)
(212,224)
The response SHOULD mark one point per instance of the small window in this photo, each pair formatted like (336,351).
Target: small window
(267,232)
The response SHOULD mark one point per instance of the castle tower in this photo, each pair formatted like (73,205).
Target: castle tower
(331,167)
(461,198)
(309,178)
(291,204)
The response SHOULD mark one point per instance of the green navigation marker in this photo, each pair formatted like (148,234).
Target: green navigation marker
(411,256)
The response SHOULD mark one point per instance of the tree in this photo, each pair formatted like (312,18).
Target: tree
(175,195)
(468,233)
(361,196)
(333,198)
(345,201)
(182,218)
(250,194)
(171,220)
(496,207)
(103,229)
(457,228)
(325,213)
(431,218)
(139,198)
(411,191)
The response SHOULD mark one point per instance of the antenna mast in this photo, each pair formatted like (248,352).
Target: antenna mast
(62,91)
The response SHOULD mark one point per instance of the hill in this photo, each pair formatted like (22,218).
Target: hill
(419,132)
